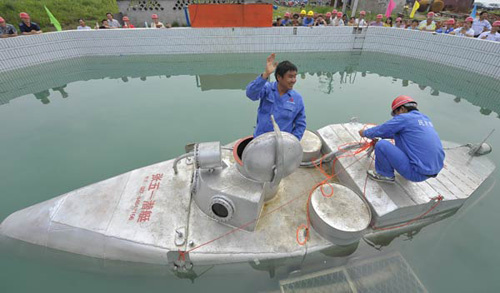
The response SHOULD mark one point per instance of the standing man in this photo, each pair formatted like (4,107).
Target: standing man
(278,99)
(82,26)
(113,23)
(309,20)
(361,20)
(481,25)
(7,30)
(27,27)
(378,21)
(418,153)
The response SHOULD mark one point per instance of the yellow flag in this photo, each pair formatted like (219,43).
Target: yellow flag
(415,8)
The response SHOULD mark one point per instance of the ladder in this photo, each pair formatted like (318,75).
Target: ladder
(359,39)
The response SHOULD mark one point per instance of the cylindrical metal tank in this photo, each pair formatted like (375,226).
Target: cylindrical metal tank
(338,214)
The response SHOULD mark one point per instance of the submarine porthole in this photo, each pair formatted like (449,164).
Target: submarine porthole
(220,210)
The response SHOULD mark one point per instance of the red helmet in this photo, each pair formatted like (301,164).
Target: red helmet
(154,16)
(469,19)
(24,15)
(400,101)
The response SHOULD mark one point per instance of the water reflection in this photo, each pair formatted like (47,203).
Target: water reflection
(234,71)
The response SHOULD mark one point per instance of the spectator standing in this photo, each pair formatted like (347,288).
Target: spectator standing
(338,20)
(302,16)
(328,18)
(388,22)
(308,21)
(126,22)
(447,27)
(7,30)
(113,23)
(378,21)
(82,26)
(344,19)
(104,24)
(286,21)
(413,25)
(492,35)
(399,23)
(428,24)
(481,25)
(361,20)
(352,21)
(156,23)
(27,27)
(465,30)
(320,21)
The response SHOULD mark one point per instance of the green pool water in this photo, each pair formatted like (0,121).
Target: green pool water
(72,123)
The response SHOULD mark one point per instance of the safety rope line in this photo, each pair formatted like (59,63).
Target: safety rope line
(347,152)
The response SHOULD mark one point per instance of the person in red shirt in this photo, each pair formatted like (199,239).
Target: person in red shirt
(126,23)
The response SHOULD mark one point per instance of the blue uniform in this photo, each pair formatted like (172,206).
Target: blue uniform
(418,153)
(446,31)
(288,110)
(308,21)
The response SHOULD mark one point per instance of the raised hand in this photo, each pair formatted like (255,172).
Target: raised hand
(271,65)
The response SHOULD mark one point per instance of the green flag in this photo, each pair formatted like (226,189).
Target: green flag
(53,20)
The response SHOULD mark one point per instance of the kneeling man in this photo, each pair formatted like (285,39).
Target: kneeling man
(418,153)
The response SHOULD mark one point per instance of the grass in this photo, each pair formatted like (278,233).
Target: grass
(66,12)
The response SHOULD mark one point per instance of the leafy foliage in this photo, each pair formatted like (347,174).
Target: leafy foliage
(67,12)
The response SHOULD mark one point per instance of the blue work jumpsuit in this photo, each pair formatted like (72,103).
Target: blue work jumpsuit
(418,153)
(288,110)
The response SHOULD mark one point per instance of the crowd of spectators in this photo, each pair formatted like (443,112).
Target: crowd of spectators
(471,27)
(27,27)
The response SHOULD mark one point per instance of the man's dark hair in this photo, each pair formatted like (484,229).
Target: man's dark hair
(413,21)
(483,12)
(283,68)
(102,21)
(109,13)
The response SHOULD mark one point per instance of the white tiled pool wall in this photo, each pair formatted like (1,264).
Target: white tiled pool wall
(470,54)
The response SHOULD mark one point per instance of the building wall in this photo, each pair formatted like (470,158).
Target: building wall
(379,6)
(140,11)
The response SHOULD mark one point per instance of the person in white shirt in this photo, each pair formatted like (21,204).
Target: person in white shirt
(82,26)
(481,25)
(492,35)
(428,24)
(361,20)
(113,23)
(338,20)
(156,23)
(466,30)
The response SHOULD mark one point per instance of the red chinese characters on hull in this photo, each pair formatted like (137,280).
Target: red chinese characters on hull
(146,210)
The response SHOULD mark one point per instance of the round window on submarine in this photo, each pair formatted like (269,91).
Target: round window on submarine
(221,208)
